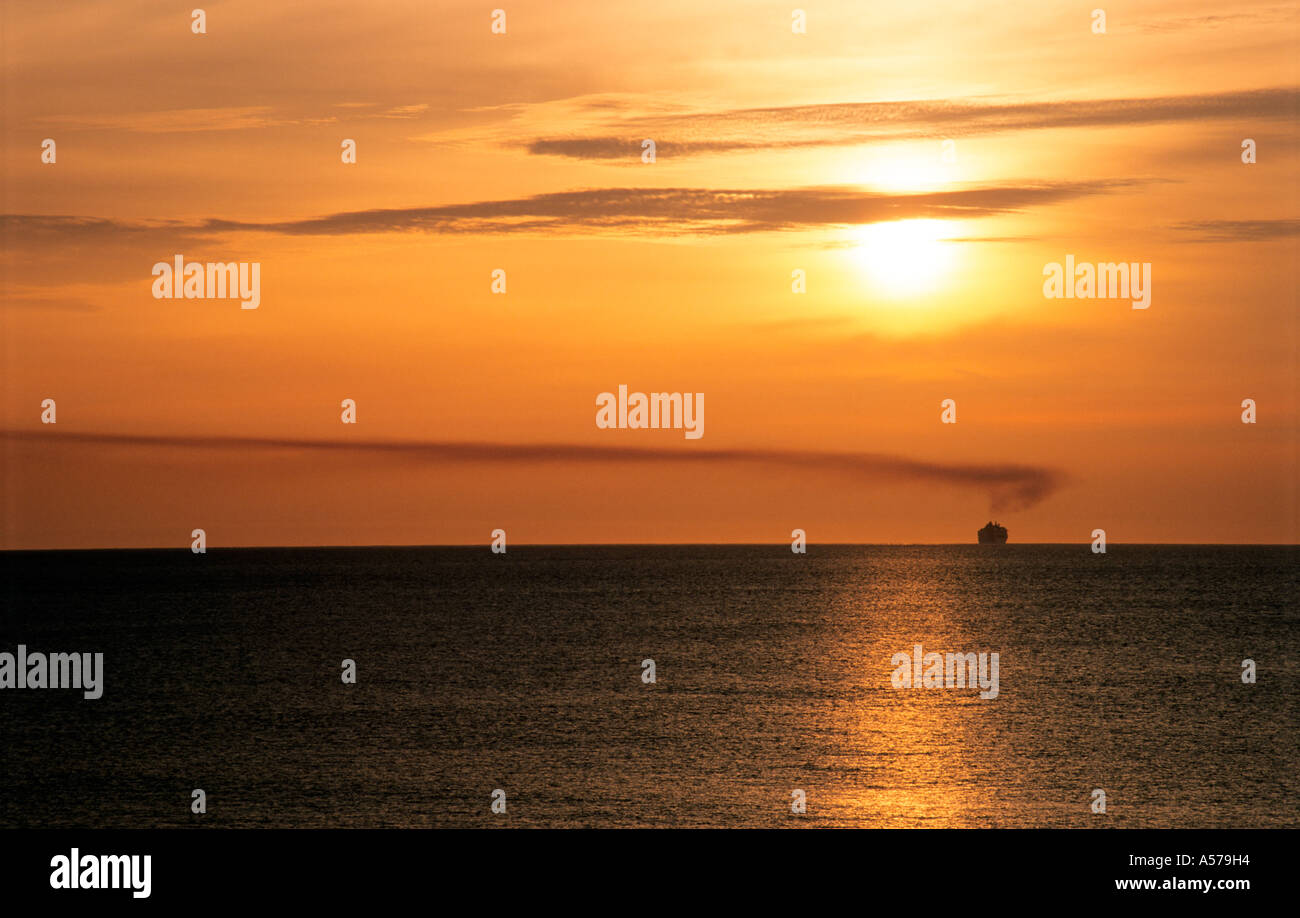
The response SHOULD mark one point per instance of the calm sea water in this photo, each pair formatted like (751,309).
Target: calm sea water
(523,672)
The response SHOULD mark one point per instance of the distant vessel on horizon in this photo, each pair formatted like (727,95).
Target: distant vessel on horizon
(993,534)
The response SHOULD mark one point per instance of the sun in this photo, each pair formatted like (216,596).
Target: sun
(904,258)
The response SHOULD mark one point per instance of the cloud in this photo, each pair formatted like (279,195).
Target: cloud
(852,123)
(1009,486)
(231,118)
(629,148)
(1283,13)
(663,210)
(406,111)
(174,121)
(1240,230)
(63,303)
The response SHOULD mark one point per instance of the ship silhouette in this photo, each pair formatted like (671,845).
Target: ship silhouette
(993,534)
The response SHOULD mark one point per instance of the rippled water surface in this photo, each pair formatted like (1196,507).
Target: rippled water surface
(524,672)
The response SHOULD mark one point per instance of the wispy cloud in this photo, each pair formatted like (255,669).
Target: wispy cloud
(1239,230)
(664,210)
(852,123)
(61,303)
(1268,15)
(1009,486)
(177,121)
(231,118)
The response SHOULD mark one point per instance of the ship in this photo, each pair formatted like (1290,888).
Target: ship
(993,534)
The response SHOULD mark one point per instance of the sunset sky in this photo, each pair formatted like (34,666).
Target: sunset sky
(775,152)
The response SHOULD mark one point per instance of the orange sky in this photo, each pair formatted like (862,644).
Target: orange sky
(776,151)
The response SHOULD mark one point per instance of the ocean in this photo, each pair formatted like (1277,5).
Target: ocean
(773,674)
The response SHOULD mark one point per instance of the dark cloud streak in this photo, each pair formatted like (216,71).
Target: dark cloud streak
(1010,486)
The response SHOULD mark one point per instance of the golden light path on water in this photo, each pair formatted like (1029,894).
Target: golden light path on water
(910,756)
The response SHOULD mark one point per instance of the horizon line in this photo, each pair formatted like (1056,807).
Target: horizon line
(784,543)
